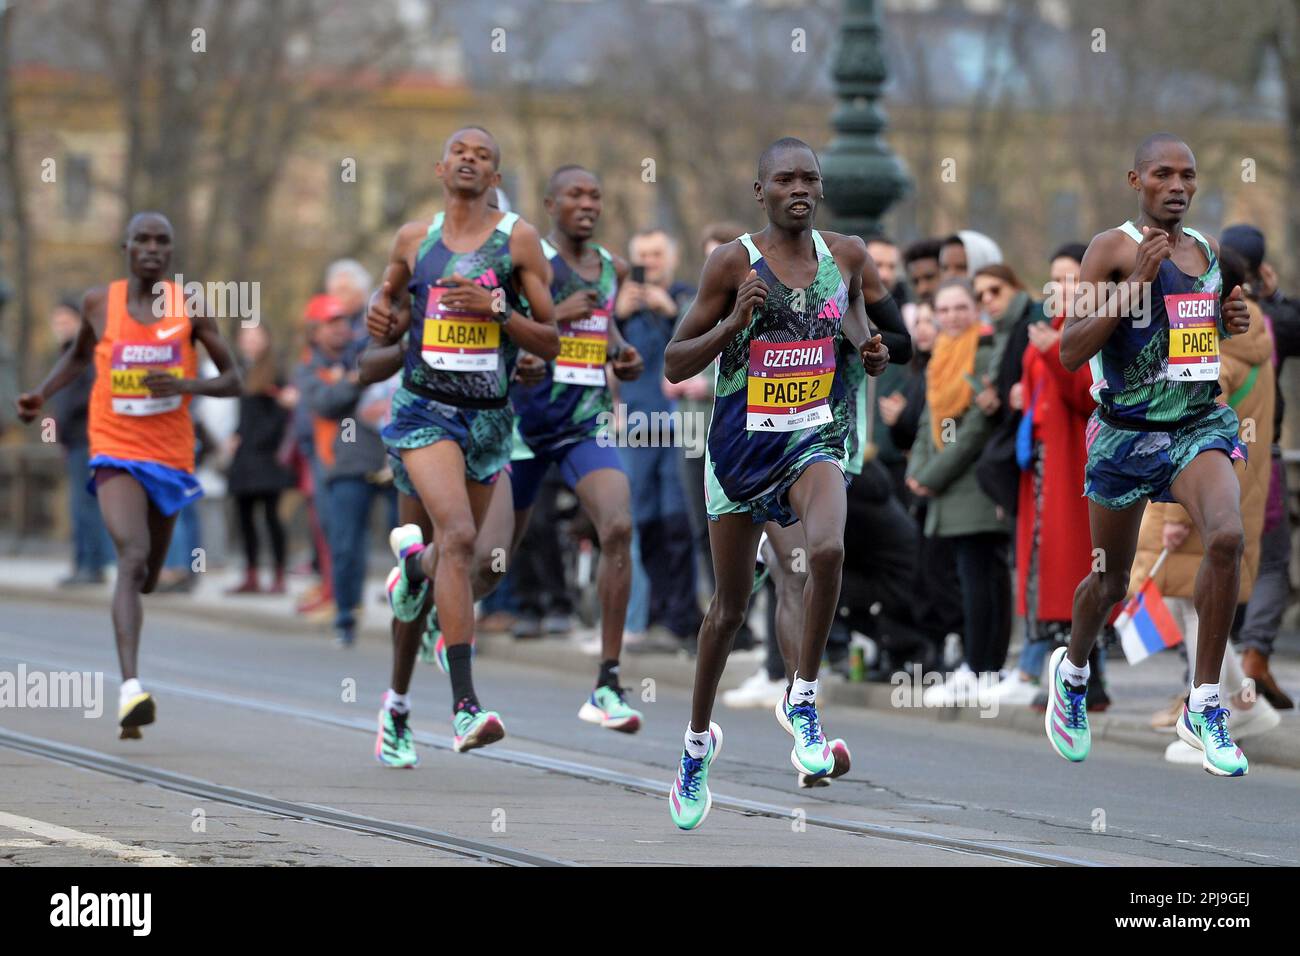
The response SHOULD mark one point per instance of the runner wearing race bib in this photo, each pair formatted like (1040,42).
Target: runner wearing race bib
(1150,312)
(769,312)
(467,290)
(140,336)
(565,419)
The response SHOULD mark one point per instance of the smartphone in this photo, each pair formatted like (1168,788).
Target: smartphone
(638,274)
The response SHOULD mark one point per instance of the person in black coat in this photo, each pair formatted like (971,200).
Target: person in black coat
(256,477)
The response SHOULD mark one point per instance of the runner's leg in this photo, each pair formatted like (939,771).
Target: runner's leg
(789,573)
(818,499)
(1208,489)
(1114,542)
(605,496)
(406,635)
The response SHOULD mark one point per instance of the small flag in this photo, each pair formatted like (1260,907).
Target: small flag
(1145,625)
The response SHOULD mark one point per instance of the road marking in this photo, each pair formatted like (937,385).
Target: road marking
(52,832)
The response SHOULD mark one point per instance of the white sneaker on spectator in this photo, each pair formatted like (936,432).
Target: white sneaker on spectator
(962,686)
(758,690)
(1015,689)
(1180,752)
(1259,717)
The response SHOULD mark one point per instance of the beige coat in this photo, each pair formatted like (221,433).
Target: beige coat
(1177,575)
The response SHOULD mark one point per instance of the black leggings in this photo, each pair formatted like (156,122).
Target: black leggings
(270,502)
(985,578)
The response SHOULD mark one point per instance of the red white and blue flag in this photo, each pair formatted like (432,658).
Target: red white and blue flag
(1145,625)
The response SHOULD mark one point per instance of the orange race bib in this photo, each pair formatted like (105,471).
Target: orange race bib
(1193,336)
(132,362)
(789,385)
(583,346)
(458,341)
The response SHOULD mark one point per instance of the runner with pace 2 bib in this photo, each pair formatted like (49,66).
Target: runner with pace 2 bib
(775,450)
(1158,434)
(472,274)
(140,335)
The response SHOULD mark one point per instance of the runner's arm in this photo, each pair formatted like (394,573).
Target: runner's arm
(1083,335)
(534,333)
(880,314)
(378,363)
(713,319)
(227,382)
(388,314)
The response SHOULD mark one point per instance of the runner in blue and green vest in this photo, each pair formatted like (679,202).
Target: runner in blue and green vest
(770,310)
(1149,315)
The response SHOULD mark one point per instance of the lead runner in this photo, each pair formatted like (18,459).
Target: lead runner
(1158,434)
(776,452)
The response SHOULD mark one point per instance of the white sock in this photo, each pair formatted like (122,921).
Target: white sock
(130,688)
(803,691)
(1203,698)
(1075,676)
(697,745)
(398,703)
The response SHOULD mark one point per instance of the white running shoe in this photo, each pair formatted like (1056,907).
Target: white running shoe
(962,686)
(1180,752)
(1015,689)
(758,690)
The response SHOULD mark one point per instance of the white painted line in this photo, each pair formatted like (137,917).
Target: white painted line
(140,855)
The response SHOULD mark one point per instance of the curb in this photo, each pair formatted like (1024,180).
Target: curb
(1276,748)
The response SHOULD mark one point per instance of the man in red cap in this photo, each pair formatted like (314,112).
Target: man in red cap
(349,457)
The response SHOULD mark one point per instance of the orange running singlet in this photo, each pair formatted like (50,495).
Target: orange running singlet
(125,420)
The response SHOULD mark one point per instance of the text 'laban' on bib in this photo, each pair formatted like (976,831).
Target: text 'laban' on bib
(583,346)
(458,341)
(789,385)
(1193,336)
(131,364)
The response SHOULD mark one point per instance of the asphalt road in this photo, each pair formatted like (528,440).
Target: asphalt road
(263,754)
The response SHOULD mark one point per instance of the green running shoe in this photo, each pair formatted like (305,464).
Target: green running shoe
(395,744)
(689,800)
(405,600)
(432,647)
(1208,733)
(1066,720)
(812,755)
(607,707)
(475,728)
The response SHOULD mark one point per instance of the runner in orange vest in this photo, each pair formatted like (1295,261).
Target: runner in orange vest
(140,335)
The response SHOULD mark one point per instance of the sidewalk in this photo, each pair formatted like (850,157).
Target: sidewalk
(1136,692)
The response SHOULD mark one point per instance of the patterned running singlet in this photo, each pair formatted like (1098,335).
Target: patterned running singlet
(774,410)
(458,358)
(1164,371)
(565,406)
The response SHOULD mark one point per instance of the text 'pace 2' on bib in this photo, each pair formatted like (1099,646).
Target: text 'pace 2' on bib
(583,344)
(1193,336)
(458,341)
(789,385)
(131,363)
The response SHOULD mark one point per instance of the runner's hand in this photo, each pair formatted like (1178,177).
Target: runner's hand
(875,355)
(382,322)
(164,385)
(29,406)
(751,295)
(628,363)
(1236,317)
(1153,250)
(577,306)
(465,295)
(529,369)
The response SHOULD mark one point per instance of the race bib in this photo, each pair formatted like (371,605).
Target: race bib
(1193,336)
(583,346)
(789,385)
(458,341)
(131,363)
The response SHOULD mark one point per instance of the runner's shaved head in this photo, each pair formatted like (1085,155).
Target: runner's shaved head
(141,216)
(1147,149)
(496,149)
(768,159)
(553,184)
